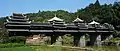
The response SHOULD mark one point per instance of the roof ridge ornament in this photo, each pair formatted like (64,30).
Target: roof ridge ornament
(55,18)
(55,15)
(77,16)
(78,20)
(93,22)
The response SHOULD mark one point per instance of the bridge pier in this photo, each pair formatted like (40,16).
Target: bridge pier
(107,36)
(56,40)
(53,39)
(79,40)
(59,40)
(95,39)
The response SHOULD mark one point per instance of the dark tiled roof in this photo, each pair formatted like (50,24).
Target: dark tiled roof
(17,14)
(18,30)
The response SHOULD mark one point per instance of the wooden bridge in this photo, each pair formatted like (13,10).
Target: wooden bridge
(19,25)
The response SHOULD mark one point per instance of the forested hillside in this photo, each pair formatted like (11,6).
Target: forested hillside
(107,13)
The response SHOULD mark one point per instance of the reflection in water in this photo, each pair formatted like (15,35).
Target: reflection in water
(103,48)
(107,48)
(66,49)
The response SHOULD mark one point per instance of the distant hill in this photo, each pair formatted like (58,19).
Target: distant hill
(107,13)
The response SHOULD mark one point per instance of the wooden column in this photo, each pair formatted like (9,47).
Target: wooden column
(53,39)
(95,39)
(75,40)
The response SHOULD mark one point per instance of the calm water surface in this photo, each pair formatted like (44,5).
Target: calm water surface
(103,48)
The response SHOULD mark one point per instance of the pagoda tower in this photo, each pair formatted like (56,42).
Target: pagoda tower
(57,22)
(79,22)
(17,23)
(93,24)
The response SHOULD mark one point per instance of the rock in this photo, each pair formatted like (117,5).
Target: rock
(37,40)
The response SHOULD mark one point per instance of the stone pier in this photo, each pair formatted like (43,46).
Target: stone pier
(79,40)
(107,37)
(56,40)
(95,39)
(53,39)
(59,40)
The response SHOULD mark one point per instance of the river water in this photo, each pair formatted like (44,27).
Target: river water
(95,48)
(107,48)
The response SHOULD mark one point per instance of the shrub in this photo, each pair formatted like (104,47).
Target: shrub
(67,39)
(8,45)
(17,39)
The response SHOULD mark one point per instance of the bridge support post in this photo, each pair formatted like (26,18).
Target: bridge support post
(95,39)
(109,37)
(82,42)
(106,37)
(53,39)
(59,40)
(79,40)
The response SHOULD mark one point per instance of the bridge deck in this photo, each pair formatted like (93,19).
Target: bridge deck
(62,31)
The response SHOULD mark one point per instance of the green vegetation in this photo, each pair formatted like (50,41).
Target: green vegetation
(67,40)
(56,48)
(24,47)
(46,48)
(13,39)
(9,45)
(107,13)
(17,49)
(106,48)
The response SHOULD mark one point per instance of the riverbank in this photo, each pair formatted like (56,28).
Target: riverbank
(58,48)
(106,48)
(23,47)
(42,48)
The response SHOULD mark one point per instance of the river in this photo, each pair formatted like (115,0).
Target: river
(95,48)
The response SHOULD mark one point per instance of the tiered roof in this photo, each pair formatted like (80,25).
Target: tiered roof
(55,19)
(18,22)
(93,22)
(78,20)
(18,18)
(57,22)
(18,14)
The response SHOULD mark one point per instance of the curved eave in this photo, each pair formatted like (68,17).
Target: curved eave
(19,25)
(19,19)
(78,20)
(55,19)
(93,22)
(42,25)
(8,22)
(17,14)
(21,30)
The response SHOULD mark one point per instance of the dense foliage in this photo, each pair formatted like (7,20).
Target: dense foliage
(107,13)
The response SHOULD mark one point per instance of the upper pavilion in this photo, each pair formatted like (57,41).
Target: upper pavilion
(57,22)
(78,20)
